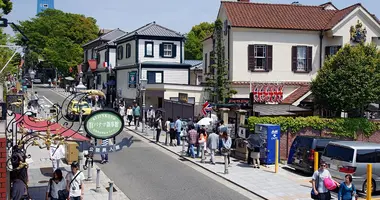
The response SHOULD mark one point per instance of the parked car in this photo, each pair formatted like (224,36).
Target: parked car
(301,154)
(75,107)
(352,157)
(37,81)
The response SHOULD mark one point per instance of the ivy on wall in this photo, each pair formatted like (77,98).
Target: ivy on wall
(346,127)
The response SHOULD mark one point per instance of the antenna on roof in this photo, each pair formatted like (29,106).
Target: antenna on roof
(296,3)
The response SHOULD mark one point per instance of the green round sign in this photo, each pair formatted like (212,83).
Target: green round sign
(104,124)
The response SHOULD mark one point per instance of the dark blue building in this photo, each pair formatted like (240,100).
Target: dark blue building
(44,4)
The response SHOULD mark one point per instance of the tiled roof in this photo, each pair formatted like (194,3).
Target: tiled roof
(110,35)
(294,96)
(277,109)
(283,16)
(283,82)
(194,63)
(153,29)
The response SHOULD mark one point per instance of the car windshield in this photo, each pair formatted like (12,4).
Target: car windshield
(82,105)
(339,153)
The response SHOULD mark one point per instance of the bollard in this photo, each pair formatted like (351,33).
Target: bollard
(316,160)
(203,154)
(276,158)
(89,178)
(110,190)
(97,179)
(183,148)
(369,181)
(225,164)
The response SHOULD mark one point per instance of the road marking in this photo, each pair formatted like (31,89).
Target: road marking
(48,100)
(58,93)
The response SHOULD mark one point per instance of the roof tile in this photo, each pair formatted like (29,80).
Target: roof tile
(294,96)
(283,16)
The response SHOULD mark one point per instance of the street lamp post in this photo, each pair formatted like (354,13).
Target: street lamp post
(32,74)
(143,89)
(80,87)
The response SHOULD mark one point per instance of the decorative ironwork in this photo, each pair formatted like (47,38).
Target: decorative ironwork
(41,132)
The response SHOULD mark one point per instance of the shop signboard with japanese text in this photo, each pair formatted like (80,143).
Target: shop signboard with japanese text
(104,124)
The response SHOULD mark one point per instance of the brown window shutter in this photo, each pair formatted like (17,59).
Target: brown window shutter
(212,62)
(251,57)
(327,51)
(269,58)
(309,59)
(294,58)
(206,63)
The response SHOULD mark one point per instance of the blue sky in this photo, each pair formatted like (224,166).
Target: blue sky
(179,15)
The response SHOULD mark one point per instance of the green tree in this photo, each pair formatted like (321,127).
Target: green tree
(57,37)
(217,80)
(193,45)
(6,6)
(349,81)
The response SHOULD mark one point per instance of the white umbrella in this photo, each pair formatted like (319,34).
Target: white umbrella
(69,78)
(206,121)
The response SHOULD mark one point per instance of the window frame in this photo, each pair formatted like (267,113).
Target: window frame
(264,57)
(146,48)
(168,50)
(155,81)
(128,50)
(304,59)
(120,52)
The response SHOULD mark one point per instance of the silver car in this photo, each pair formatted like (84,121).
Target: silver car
(352,157)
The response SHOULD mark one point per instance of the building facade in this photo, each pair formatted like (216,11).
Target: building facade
(156,54)
(44,4)
(278,56)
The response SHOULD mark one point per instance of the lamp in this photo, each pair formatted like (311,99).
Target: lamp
(80,85)
(32,74)
(143,83)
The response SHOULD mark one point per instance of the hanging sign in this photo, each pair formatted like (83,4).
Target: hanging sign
(104,124)
(132,79)
(264,93)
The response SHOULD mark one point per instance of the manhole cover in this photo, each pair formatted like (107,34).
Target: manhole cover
(108,189)
(44,181)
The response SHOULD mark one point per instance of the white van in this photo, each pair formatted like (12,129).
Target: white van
(352,157)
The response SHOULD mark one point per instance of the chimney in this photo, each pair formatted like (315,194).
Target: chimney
(243,1)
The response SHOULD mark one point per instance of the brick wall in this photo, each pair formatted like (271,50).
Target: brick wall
(3,172)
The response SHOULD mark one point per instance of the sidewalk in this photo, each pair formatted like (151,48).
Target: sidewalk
(263,182)
(40,171)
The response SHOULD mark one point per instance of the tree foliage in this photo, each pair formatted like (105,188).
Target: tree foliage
(6,6)
(5,55)
(193,45)
(57,37)
(217,80)
(349,80)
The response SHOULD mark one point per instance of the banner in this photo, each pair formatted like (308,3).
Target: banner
(132,76)
(267,93)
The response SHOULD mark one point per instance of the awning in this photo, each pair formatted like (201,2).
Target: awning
(278,109)
(55,128)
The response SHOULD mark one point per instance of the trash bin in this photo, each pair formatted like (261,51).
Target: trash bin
(72,152)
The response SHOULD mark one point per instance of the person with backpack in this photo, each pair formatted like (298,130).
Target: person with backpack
(56,184)
(158,126)
(347,189)
(74,180)
(321,183)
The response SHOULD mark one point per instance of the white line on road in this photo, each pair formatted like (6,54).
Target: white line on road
(58,93)
(48,100)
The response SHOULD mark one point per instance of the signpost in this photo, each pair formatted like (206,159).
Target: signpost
(104,124)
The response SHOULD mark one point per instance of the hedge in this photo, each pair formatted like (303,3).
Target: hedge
(346,127)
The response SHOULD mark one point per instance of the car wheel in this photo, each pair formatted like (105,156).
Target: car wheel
(373,186)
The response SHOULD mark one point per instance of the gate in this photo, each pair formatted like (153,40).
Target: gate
(175,108)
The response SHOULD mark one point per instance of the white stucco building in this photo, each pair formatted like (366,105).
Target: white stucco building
(286,44)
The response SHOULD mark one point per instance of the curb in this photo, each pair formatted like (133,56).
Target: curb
(184,157)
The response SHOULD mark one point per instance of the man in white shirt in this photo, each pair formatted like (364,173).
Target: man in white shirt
(56,154)
(151,116)
(75,184)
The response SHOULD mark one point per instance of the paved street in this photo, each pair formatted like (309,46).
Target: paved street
(144,171)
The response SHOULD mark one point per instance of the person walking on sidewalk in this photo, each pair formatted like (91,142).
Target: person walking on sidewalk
(221,129)
(347,189)
(158,126)
(57,152)
(136,114)
(192,138)
(56,184)
(226,145)
(150,114)
(212,142)
(74,182)
(172,132)
(167,129)
(104,156)
(129,115)
(122,111)
(178,129)
(319,188)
